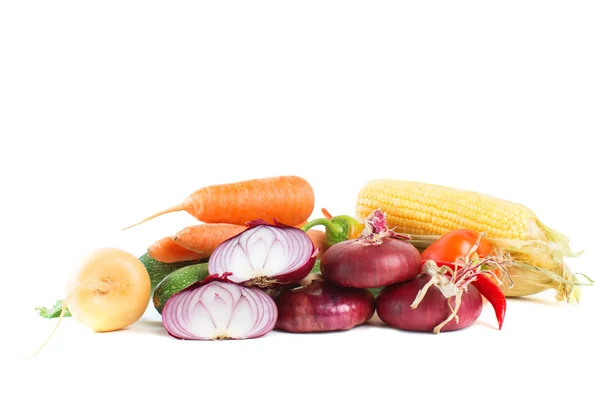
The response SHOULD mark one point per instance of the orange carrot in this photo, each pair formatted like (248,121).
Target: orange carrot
(167,251)
(205,238)
(288,199)
(319,241)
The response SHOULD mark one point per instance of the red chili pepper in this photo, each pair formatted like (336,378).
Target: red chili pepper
(494,295)
(488,289)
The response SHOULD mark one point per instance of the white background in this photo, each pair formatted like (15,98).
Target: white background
(114,110)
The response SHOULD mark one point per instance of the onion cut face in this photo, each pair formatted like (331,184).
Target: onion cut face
(219,310)
(265,252)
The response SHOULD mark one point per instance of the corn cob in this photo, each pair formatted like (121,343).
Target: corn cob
(426,211)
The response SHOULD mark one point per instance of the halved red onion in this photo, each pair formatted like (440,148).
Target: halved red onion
(276,252)
(219,310)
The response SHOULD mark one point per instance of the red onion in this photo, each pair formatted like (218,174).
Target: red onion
(322,306)
(431,302)
(378,258)
(219,310)
(265,252)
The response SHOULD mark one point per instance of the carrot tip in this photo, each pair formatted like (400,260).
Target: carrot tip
(158,214)
(326,213)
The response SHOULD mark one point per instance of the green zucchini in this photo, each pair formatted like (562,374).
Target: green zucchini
(176,281)
(159,270)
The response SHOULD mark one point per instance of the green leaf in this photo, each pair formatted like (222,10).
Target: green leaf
(376,291)
(53,312)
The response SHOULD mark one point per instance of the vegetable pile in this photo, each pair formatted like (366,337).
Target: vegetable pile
(423,257)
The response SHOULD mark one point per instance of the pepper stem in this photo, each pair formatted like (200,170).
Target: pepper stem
(334,228)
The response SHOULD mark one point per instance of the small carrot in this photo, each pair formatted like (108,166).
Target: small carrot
(319,240)
(288,199)
(204,238)
(167,251)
